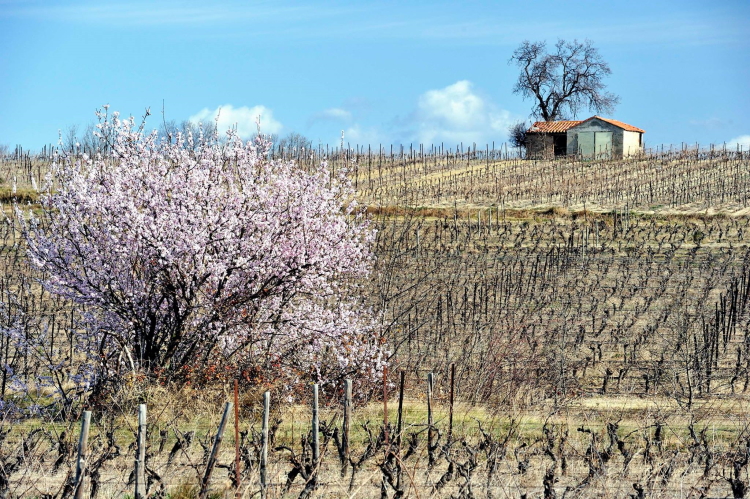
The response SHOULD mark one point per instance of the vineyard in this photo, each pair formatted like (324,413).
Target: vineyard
(595,316)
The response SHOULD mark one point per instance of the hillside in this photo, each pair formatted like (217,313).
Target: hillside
(595,313)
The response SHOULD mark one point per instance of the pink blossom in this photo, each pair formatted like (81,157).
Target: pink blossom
(203,250)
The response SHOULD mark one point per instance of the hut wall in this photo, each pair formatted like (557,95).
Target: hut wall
(540,146)
(631,143)
(592,127)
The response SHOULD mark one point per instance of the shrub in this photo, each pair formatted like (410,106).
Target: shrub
(202,252)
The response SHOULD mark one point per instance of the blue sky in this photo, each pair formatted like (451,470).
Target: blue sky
(382,71)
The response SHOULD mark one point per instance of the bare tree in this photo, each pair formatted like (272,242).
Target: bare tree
(70,138)
(210,128)
(168,130)
(92,143)
(294,142)
(517,134)
(564,81)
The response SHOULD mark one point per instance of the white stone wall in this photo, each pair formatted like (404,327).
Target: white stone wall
(631,143)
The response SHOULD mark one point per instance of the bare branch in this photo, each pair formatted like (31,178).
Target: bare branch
(563,82)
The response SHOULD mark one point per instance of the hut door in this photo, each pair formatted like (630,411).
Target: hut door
(603,145)
(561,145)
(586,144)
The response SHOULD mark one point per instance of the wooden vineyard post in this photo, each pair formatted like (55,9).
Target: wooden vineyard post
(236,439)
(315,427)
(399,426)
(214,451)
(450,409)
(399,422)
(385,407)
(430,420)
(346,425)
(83,441)
(430,385)
(140,457)
(264,447)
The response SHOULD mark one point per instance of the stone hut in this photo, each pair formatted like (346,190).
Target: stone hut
(593,138)
(548,139)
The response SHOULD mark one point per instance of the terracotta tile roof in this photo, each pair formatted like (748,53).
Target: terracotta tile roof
(563,126)
(620,124)
(552,126)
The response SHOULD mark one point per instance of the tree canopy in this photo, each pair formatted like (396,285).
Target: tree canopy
(564,81)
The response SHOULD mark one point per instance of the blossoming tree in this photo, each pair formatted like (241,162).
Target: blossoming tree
(197,251)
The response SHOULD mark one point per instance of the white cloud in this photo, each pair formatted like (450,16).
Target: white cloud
(742,141)
(243,118)
(453,114)
(455,105)
(336,113)
(373,21)
(457,113)
(708,123)
(356,134)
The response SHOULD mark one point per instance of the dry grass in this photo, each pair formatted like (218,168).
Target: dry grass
(526,448)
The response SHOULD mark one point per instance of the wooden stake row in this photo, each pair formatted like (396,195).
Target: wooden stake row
(141,491)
